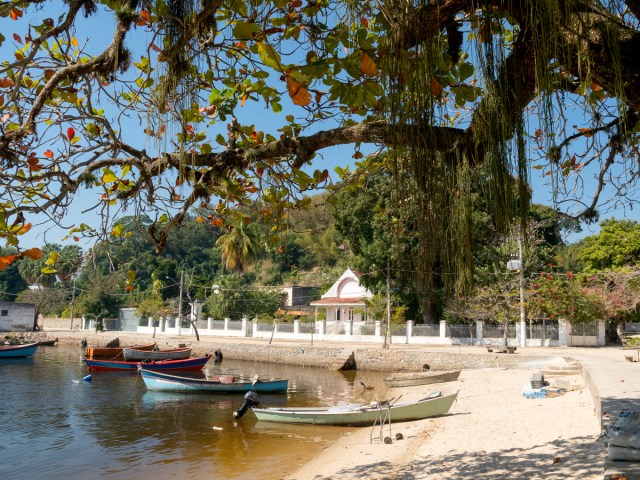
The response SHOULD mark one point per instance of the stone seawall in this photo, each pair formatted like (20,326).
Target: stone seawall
(330,355)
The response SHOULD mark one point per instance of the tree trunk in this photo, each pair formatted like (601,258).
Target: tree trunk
(506,333)
(620,332)
(195,329)
(429,307)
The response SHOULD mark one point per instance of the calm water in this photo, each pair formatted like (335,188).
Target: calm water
(55,426)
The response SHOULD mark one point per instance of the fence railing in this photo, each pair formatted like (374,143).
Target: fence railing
(632,327)
(541,332)
(586,329)
(544,332)
(497,331)
(307,327)
(432,330)
(462,331)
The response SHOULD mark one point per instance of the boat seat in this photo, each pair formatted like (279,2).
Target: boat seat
(222,378)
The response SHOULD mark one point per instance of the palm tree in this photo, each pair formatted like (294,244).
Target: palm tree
(239,246)
(57,264)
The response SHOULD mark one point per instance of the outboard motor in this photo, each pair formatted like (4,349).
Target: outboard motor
(251,399)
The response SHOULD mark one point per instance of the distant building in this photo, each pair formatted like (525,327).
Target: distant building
(345,300)
(299,295)
(17,317)
(297,300)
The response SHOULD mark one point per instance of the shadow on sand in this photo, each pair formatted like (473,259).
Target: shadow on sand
(578,458)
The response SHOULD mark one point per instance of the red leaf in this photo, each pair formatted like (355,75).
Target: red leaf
(71,133)
(298,92)
(34,164)
(6,83)
(367,66)
(33,253)
(15,13)
(6,260)
(48,154)
(587,132)
(436,87)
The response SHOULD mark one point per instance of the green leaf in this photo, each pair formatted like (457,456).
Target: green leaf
(245,30)
(108,176)
(117,230)
(92,129)
(269,56)
(465,71)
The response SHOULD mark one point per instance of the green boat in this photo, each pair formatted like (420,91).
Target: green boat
(435,405)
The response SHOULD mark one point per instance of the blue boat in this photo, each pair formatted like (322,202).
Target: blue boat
(164,382)
(18,351)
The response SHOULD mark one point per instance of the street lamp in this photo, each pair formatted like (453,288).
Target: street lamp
(517,264)
(179,301)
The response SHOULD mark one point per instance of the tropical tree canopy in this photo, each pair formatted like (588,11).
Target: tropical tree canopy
(159,116)
(617,245)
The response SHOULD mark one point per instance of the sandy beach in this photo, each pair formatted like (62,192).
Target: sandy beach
(492,432)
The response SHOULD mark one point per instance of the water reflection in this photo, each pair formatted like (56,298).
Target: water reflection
(114,428)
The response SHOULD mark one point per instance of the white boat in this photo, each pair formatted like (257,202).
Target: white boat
(433,406)
(421,378)
(135,355)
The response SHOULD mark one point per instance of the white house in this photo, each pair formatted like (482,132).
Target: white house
(345,300)
(17,317)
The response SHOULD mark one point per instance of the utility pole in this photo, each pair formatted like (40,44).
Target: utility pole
(73,300)
(180,303)
(387,333)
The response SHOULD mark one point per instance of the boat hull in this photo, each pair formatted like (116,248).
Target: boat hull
(135,355)
(423,378)
(162,382)
(18,351)
(114,352)
(115,365)
(365,415)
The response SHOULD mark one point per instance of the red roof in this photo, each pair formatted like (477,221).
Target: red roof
(338,301)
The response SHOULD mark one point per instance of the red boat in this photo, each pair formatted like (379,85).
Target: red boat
(163,365)
(114,352)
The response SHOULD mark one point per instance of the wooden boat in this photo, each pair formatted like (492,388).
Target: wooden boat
(136,355)
(18,351)
(164,382)
(359,415)
(114,352)
(120,365)
(421,378)
(48,343)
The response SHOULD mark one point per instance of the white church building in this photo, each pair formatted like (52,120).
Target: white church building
(344,302)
